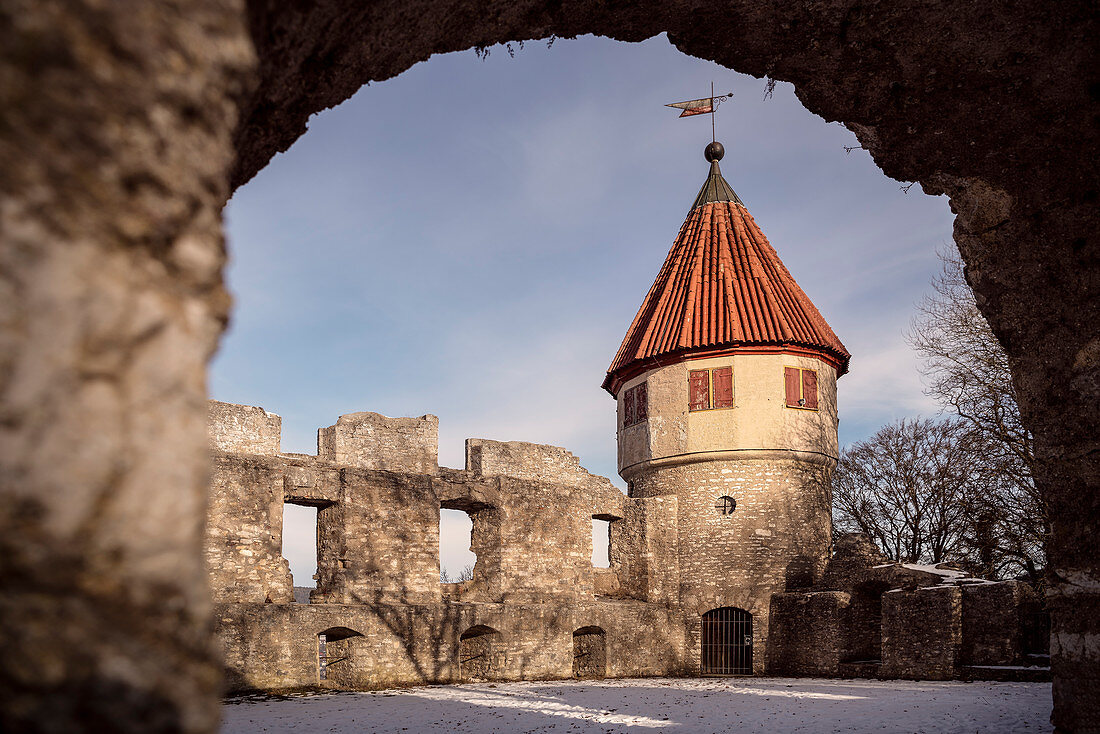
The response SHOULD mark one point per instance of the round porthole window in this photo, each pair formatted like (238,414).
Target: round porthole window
(726,505)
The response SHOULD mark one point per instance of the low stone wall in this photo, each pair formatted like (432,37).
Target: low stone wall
(991,624)
(275,646)
(921,633)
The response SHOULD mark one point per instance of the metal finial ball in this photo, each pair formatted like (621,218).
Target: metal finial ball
(714,152)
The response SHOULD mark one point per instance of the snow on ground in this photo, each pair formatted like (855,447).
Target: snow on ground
(657,705)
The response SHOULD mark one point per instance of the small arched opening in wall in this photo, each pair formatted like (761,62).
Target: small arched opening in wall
(336,656)
(589,653)
(479,652)
(726,642)
(864,623)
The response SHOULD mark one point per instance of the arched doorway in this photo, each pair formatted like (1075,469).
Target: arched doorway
(589,653)
(727,642)
(336,656)
(477,653)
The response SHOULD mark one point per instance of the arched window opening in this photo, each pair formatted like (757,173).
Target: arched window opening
(478,653)
(336,655)
(589,653)
(727,642)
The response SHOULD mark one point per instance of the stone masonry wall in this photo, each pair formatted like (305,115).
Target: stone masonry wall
(374,441)
(243,429)
(779,531)
(547,501)
(274,646)
(644,550)
(378,563)
(921,633)
(387,539)
(242,548)
(991,624)
(807,633)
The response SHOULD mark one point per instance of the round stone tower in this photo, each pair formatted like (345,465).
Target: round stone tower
(726,391)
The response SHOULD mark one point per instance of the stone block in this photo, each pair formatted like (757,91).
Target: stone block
(243,429)
(807,635)
(921,633)
(374,441)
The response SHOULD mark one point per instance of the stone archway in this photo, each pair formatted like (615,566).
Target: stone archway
(589,652)
(337,653)
(121,132)
(479,653)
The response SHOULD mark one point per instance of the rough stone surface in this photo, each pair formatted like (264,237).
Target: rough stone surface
(995,107)
(808,633)
(870,618)
(243,429)
(115,142)
(374,441)
(536,607)
(114,146)
(530,611)
(992,624)
(921,633)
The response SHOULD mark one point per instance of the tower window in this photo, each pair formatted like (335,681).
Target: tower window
(709,389)
(635,405)
(801,387)
(725,505)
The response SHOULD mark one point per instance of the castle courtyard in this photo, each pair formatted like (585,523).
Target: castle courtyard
(678,705)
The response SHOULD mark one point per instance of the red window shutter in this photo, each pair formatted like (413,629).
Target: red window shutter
(628,408)
(791,380)
(809,388)
(699,390)
(723,387)
(641,403)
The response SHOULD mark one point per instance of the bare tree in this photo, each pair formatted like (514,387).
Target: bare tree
(910,488)
(966,371)
(466,574)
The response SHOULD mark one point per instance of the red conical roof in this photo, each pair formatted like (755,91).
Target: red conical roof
(722,288)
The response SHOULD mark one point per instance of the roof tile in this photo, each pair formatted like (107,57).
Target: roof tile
(722,284)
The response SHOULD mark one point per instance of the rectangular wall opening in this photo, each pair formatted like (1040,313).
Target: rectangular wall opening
(300,548)
(601,542)
(456,560)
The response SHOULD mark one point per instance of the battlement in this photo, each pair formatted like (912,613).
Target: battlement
(374,441)
(367,440)
(528,461)
(243,429)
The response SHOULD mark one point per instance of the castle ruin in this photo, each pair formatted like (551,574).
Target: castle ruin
(720,552)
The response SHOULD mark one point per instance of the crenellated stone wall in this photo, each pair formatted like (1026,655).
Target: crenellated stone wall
(378,490)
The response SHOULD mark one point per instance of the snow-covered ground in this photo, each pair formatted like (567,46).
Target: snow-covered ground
(660,705)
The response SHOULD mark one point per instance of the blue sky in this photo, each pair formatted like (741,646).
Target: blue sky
(472,238)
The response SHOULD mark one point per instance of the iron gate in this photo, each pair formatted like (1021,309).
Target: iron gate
(727,642)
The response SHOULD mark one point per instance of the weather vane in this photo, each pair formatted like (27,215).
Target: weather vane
(704,106)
